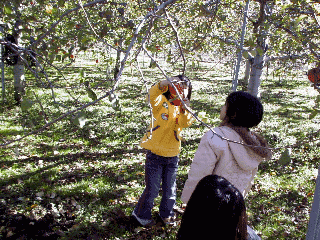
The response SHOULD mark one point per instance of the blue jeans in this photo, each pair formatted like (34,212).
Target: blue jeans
(158,169)
(252,234)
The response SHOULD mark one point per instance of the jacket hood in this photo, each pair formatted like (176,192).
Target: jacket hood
(246,157)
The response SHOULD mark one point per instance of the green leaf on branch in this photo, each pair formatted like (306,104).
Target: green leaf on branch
(7,10)
(51,57)
(298,20)
(260,51)
(91,94)
(115,103)
(253,52)
(285,6)
(26,104)
(80,119)
(82,73)
(314,113)
(251,42)
(318,99)
(285,157)
(203,117)
(245,54)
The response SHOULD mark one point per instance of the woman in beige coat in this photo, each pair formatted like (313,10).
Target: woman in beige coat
(235,162)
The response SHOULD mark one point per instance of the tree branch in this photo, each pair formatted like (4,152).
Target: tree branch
(56,120)
(61,17)
(117,80)
(274,58)
(178,41)
(295,35)
(134,38)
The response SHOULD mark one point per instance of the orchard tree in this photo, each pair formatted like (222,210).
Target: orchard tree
(283,32)
(183,31)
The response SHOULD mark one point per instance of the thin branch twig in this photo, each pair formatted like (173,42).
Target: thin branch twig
(56,120)
(178,41)
(61,18)
(149,104)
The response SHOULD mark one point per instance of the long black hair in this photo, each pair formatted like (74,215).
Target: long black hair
(216,210)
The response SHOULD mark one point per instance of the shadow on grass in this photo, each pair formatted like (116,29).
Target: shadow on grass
(41,177)
(65,226)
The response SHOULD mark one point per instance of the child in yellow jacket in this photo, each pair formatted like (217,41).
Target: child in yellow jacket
(162,142)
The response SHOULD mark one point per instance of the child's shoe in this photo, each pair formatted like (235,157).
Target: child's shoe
(142,222)
(167,221)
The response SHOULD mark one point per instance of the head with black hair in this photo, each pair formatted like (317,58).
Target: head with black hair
(242,110)
(183,84)
(215,210)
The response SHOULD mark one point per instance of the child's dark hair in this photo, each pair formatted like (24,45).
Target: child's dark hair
(216,210)
(243,109)
(187,81)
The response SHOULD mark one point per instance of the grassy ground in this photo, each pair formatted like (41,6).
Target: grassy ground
(76,181)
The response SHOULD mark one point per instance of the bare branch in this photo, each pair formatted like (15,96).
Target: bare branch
(42,109)
(178,41)
(149,104)
(295,35)
(163,5)
(134,38)
(287,57)
(95,33)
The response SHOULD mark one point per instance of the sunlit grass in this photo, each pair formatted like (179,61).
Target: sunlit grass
(94,170)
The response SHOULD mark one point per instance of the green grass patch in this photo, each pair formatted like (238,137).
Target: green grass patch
(83,175)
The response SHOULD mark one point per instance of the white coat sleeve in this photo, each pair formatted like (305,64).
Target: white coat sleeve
(204,162)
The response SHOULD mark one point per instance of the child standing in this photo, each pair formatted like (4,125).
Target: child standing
(235,162)
(162,142)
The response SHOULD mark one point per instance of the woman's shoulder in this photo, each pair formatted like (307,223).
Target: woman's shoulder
(214,136)
(219,131)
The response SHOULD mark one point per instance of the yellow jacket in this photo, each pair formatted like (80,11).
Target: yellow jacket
(168,122)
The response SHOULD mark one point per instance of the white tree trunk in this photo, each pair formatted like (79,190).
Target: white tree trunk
(255,75)
(18,69)
(243,32)
(247,73)
(2,77)
(19,81)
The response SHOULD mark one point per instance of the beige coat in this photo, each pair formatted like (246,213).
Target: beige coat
(233,161)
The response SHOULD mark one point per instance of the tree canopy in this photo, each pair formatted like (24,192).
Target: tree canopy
(284,34)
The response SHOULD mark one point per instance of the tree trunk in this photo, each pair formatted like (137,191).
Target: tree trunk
(247,73)
(117,66)
(243,32)
(2,76)
(18,68)
(255,75)
(261,48)
(18,74)
(19,81)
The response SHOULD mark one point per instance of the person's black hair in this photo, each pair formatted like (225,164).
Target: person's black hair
(8,51)
(243,109)
(187,81)
(215,210)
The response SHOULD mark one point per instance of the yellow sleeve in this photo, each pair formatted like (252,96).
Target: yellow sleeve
(186,119)
(155,96)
